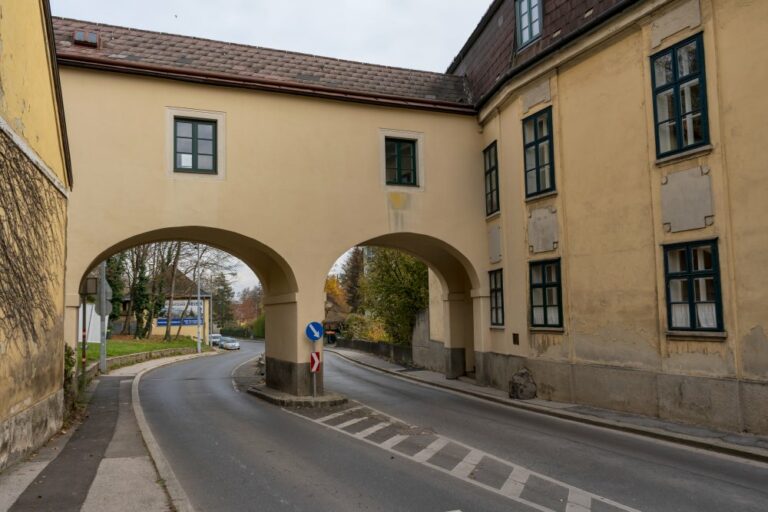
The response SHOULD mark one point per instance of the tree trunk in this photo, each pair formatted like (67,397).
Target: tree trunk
(172,296)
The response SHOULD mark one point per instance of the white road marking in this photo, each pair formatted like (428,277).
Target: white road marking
(351,422)
(464,468)
(578,501)
(371,430)
(512,488)
(393,441)
(337,414)
(516,482)
(434,447)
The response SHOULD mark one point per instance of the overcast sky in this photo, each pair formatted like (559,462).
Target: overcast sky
(419,34)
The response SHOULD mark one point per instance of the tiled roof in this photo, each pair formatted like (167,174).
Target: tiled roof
(140,51)
(491,55)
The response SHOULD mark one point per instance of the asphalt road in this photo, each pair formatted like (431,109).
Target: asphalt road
(233,452)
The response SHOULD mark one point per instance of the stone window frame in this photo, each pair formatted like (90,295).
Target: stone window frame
(418,138)
(220,118)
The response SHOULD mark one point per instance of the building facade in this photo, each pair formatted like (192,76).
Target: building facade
(623,203)
(34,183)
(583,181)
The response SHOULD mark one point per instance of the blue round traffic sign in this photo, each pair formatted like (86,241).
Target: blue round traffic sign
(314,331)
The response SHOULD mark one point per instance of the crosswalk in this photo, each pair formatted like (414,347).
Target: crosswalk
(482,469)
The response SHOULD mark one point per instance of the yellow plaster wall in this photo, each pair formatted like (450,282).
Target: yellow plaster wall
(27,94)
(741,47)
(304,177)
(608,236)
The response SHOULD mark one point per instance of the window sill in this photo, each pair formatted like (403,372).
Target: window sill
(697,335)
(497,327)
(684,155)
(493,216)
(524,46)
(194,171)
(543,195)
(553,330)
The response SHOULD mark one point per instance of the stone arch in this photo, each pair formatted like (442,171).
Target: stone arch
(276,275)
(459,282)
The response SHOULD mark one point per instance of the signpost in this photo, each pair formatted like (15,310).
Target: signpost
(314,332)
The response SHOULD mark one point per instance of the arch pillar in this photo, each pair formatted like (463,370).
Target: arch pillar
(459,334)
(287,347)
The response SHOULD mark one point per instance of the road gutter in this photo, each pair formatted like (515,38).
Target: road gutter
(743,452)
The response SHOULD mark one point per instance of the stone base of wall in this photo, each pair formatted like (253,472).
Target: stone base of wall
(726,404)
(28,430)
(292,378)
(400,354)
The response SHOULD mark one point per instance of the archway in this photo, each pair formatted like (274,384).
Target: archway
(445,340)
(277,278)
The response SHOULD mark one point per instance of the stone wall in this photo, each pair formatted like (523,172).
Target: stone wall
(722,403)
(32,227)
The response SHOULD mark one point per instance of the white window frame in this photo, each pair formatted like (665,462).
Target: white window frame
(418,137)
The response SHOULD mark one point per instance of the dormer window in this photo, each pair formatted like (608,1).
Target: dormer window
(85,38)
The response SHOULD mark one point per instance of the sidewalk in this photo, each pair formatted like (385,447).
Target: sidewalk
(740,445)
(103,465)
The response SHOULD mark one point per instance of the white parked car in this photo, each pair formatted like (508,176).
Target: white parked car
(229,344)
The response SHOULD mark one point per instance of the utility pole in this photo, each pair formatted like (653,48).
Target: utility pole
(104,316)
(199,306)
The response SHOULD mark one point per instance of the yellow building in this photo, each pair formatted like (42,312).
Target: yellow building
(584,183)
(34,183)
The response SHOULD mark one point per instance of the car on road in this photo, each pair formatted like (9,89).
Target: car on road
(215,339)
(229,344)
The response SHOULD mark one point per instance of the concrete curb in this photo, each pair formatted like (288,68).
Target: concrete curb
(713,445)
(286,400)
(178,496)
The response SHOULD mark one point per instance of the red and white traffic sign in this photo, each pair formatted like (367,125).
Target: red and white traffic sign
(314,362)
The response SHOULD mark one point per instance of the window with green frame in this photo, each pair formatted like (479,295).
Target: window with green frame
(539,153)
(401,162)
(546,294)
(528,21)
(194,145)
(491,179)
(496,281)
(680,97)
(693,287)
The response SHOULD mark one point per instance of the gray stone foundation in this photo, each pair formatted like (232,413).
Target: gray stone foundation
(291,378)
(726,404)
(28,430)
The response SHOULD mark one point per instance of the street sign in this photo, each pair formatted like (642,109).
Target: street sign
(314,331)
(314,362)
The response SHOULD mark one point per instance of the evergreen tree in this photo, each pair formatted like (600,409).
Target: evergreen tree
(351,278)
(115,279)
(223,296)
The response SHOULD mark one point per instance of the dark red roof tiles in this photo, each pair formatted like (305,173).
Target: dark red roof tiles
(194,55)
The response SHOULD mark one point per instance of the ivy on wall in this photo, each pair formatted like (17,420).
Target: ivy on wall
(32,214)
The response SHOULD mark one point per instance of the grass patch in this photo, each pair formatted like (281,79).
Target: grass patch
(123,347)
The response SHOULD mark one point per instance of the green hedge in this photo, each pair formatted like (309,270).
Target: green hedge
(253,330)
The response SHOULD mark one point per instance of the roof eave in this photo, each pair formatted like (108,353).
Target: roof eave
(223,79)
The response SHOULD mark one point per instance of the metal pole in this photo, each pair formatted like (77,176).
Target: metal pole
(314,384)
(199,313)
(104,316)
(84,348)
